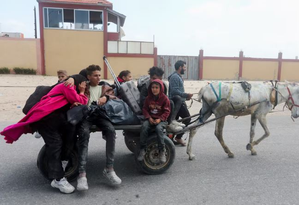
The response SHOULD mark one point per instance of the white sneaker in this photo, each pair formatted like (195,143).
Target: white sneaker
(141,155)
(162,156)
(112,177)
(178,123)
(63,185)
(173,128)
(82,184)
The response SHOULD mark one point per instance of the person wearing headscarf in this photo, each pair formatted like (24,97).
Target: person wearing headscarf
(48,117)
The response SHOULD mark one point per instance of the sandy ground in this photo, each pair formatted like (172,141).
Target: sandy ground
(15,89)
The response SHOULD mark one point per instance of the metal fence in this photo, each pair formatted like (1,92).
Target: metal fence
(167,63)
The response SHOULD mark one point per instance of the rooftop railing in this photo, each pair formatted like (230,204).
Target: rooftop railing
(131,47)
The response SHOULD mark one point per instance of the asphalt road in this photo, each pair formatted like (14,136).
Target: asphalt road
(271,177)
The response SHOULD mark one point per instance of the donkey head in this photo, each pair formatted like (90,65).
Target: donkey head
(293,100)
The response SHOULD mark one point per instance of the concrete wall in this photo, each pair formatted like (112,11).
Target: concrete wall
(72,50)
(220,69)
(20,52)
(247,68)
(290,71)
(260,70)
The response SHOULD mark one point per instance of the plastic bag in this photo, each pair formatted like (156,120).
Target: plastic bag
(118,112)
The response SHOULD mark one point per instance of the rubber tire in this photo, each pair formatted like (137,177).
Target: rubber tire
(131,140)
(72,171)
(151,165)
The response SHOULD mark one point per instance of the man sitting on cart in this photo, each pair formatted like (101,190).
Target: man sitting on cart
(108,131)
(178,95)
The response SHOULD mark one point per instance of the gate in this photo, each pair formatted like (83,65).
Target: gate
(167,62)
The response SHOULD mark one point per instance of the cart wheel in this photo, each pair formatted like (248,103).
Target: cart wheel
(151,163)
(71,169)
(130,140)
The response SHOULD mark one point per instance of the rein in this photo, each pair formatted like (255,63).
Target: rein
(292,99)
(289,98)
(192,99)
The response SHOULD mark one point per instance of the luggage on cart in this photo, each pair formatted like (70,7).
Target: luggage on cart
(128,91)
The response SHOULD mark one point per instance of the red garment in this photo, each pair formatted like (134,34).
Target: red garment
(156,107)
(120,80)
(47,105)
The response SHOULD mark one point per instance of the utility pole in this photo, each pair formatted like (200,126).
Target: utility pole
(35,31)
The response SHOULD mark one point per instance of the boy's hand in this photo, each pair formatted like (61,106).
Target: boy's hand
(82,87)
(102,100)
(70,82)
(157,121)
(152,121)
(76,104)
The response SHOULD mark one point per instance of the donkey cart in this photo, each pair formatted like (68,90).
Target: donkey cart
(150,165)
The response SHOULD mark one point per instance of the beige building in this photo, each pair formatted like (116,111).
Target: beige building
(75,34)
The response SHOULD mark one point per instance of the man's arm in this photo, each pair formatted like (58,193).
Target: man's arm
(174,83)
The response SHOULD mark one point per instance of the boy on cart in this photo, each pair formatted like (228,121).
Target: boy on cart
(156,110)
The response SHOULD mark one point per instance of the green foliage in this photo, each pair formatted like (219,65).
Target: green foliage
(4,70)
(26,71)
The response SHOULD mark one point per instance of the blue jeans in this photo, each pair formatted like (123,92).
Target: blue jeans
(176,103)
(145,130)
(183,112)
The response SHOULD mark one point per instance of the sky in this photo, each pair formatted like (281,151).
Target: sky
(260,28)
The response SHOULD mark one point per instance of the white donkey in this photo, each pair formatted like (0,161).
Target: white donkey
(224,98)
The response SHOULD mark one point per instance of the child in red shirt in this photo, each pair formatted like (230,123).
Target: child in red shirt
(156,110)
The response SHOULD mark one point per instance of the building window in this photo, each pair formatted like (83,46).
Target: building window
(112,23)
(73,19)
(68,17)
(81,19)
(55,18)
(96,22)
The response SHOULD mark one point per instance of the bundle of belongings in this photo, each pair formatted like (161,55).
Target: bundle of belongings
(115,110)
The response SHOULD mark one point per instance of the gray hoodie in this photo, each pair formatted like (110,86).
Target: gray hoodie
(176,86)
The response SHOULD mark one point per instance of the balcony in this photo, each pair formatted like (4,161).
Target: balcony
(131,47)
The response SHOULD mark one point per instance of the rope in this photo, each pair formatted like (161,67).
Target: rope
(214,91)
(230,91)
(219,91)
(188,107)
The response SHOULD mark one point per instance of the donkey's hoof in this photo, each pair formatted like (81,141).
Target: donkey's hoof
(231,155)
(249,146)
(253,152)
(191,157)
